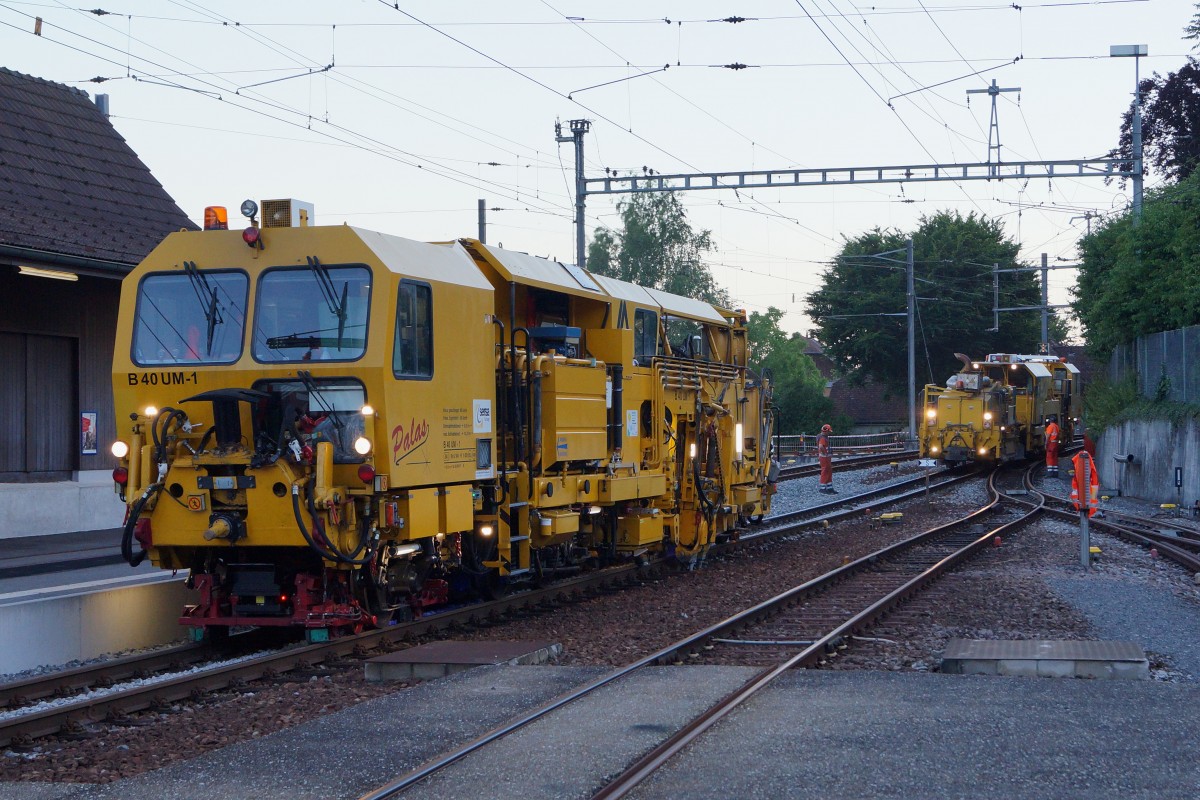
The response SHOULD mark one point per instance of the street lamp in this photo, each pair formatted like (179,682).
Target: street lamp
(1134,51)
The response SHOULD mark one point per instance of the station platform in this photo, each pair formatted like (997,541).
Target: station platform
(59,552)
(76,585)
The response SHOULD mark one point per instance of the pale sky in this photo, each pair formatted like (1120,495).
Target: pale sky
(401,120)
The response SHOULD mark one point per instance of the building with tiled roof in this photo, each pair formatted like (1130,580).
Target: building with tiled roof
(869,406)
(78,210)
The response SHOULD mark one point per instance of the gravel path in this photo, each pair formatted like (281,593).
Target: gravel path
(1029,588)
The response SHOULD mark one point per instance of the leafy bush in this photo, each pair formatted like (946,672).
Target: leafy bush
(1107,404)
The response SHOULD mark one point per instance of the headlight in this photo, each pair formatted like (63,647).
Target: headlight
(931,413)
(362,445)
(987,416)
(120,449)
(151,411)
(368,410)
(486,530)
(933,449)
(983,451)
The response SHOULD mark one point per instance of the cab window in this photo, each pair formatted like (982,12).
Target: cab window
(645,336)
(687,339)
(314,313)
(412,357)
(190,317)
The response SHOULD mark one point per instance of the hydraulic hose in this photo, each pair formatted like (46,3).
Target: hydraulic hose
(319,531)
(127,533)
(328,554)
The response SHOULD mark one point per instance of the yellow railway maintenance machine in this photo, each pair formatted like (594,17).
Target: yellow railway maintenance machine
(331,428)
(995,410)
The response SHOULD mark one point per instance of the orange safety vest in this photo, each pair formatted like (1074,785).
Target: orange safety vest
(1094,493)
(1052,433)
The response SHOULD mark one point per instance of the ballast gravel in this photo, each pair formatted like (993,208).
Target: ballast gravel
(1030,587)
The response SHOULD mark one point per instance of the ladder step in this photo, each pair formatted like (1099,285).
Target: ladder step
(517,538)
(524,571)
(521,504)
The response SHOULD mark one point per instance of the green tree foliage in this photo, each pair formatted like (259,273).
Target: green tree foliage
(1144,278)
(800,401)
(952,256)
(1170,124)
(656,247)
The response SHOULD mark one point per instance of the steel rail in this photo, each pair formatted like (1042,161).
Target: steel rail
(28,690)
(843,464)
(662,656)
(92,709)
(85,710)
(1185,551)
(657,757)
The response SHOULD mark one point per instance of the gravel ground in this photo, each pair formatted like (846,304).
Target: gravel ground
(1029,588)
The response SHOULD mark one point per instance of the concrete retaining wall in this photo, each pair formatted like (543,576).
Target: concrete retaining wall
(87,503)
(1158,448)
(59,629)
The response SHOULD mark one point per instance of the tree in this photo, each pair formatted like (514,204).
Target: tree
(1143,278)
(800,402)
(656,247)
(860,307)
(1170,123)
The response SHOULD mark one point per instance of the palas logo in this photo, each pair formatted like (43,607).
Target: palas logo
(405,441)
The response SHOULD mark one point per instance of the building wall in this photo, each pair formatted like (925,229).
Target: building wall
(71,320)
(1158,447)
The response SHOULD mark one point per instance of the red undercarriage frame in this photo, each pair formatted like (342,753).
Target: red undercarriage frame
(310,608)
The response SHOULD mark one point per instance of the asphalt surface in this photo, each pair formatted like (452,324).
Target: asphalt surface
(812,735)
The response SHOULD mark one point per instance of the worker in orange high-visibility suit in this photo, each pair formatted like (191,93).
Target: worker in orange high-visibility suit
(825,459)
(1051,448)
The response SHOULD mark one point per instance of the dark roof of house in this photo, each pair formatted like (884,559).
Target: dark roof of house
(69,183)
(869,404)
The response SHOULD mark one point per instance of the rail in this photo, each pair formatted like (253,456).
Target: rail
(667,654)
(805,444)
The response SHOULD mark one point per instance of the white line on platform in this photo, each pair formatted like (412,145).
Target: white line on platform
(102,583)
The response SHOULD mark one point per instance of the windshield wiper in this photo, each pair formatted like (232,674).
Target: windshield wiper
(310,340)
(329,292)
(207,296)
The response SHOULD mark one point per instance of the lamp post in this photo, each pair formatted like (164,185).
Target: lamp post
(1134,51)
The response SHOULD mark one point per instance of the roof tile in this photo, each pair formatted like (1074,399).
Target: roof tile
(69,183)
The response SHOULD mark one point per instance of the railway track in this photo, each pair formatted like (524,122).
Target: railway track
(815,618)
(788,473)
(179,673)
(1178,543)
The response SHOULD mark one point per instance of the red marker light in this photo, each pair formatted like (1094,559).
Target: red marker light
(252,237)
(143,534)
(121,476)
(366,473)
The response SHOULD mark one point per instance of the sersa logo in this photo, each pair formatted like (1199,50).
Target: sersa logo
(407,440)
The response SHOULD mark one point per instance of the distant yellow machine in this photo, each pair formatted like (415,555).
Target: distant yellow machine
(331,428)
(996,410)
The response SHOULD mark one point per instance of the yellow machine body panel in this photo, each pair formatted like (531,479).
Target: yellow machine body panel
(340,424)
(996,409)
(574,413)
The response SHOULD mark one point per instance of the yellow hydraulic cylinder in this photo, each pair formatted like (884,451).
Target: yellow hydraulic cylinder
(134,474)
(324,464)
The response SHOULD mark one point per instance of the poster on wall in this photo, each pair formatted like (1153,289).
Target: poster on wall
(87,431)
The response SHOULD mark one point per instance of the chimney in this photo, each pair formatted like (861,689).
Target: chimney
(102,104)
